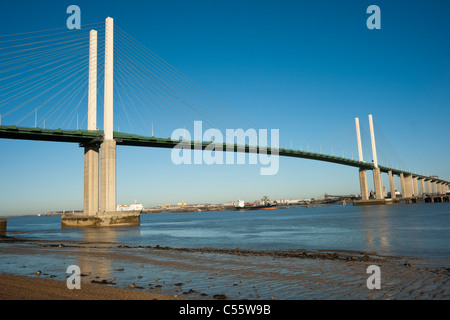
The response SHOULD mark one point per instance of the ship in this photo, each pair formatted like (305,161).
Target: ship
(263,204)
(136,206)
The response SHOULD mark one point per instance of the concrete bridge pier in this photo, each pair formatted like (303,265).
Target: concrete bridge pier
(429,190)
(107,215)
(362,172)
(91,153)
(108,146)
(422,186)
(415,187)
(408,191)
(402,184)
(392,185)
(363,184)
(434,187)
(411,185)
(377,179)
(108,177)
(378,183)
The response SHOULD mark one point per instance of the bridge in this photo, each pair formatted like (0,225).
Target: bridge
(100,152)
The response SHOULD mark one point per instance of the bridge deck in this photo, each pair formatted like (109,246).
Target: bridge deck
(85,137)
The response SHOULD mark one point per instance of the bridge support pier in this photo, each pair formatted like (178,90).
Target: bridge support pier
(107,215)
(108,177)
(415,187)
(403,184)
(377,179)
(91,179)
(433,187)
(422,186)
(429,190)
(363,184)
(409,186)
(378,182)
(392,185)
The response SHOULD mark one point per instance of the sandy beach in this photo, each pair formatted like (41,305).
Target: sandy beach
(13,287)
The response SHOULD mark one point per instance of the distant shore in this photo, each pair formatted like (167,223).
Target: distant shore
(217,207)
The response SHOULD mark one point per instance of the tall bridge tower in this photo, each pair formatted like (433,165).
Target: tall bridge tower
(105,214)
(108,146)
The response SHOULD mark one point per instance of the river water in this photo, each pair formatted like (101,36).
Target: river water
(407,230)
(421,230)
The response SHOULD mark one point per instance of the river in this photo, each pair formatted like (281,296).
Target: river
(402,230)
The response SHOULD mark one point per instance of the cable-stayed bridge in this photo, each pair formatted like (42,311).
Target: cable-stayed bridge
(47,79)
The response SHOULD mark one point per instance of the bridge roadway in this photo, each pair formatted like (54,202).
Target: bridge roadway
(84,137)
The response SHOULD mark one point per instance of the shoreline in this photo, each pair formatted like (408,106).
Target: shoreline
(169,273)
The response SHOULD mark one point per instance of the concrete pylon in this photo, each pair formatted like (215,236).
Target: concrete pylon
(92,93)
(107,214)
(91,182)
(377,179)
(108,177)
(91,179)
(408,182)
(108,146)
(422,186)
(410,185)
(403,185)
(363,184)
(392,185)
(429,190)
(362,172)
(433,187)
(415,188)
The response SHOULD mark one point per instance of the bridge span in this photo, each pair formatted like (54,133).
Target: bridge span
(87,137)
(100,151)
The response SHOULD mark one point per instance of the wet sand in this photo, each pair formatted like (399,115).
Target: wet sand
(121,271)
(14,287)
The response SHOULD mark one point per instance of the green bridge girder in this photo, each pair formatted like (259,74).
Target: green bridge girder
(84,137)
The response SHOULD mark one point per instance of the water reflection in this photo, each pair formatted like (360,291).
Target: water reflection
(377,226)
(91,258)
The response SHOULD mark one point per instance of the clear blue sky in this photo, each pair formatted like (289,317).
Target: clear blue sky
(307,68)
